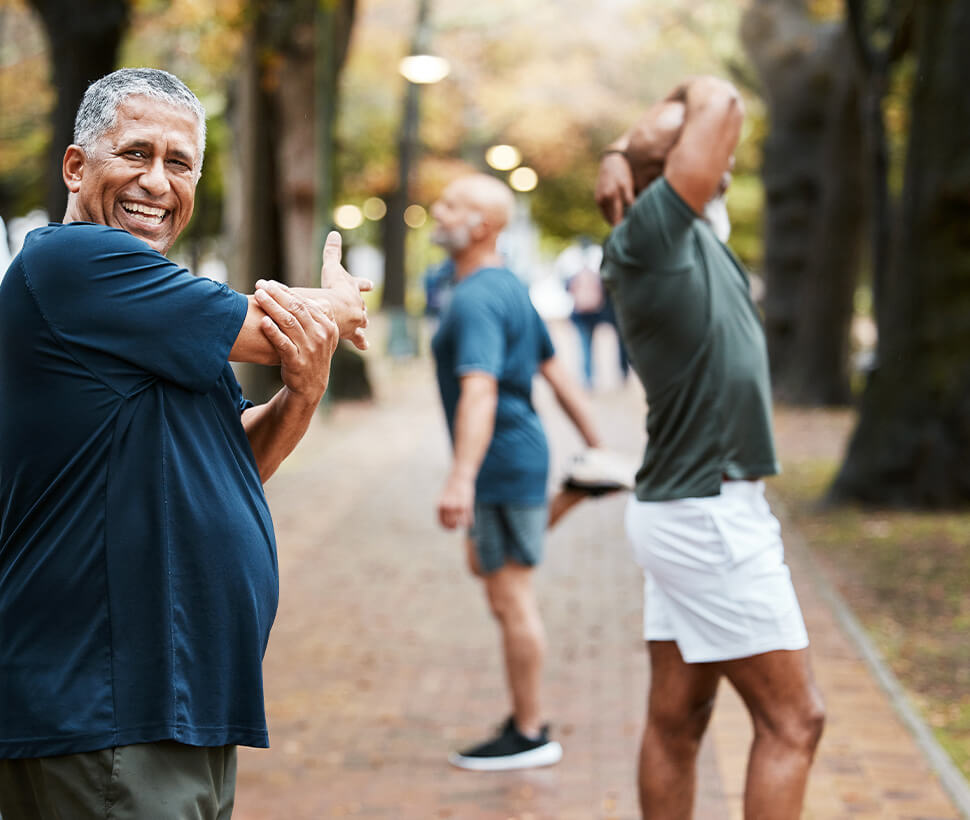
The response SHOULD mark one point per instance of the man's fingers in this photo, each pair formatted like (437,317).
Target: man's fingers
(363,284)
(290,310)
(285,319)
(359,339)
(283,344)
(332,249)
(320,310)
(626,191)
(451,519)
(617,211)
(452,516)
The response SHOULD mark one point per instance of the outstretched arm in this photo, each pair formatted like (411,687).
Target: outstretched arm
(339,292)
(576,406)
(571,398)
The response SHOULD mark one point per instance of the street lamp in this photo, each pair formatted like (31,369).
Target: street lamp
(523,179)
(423,69)
(503,157)
(418,68)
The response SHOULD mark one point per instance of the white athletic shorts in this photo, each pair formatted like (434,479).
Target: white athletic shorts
(715,578)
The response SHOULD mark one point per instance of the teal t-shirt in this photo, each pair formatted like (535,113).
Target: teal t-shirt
(490,326)
(695,339)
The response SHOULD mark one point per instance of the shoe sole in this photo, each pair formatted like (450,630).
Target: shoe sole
(547,755)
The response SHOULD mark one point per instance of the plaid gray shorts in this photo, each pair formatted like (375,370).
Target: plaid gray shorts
(508,532)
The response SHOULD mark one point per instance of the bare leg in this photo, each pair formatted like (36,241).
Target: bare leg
(561,503)
(788,715)
(678,710)
(513,602)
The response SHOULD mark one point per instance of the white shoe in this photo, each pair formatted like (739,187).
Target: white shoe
(597,471)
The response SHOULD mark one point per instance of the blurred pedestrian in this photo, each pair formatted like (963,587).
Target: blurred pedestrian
(138,568)
(488,347)
(579,265)
(719,598)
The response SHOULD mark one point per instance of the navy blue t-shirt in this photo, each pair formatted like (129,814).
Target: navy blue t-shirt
(491,326)
(138,572)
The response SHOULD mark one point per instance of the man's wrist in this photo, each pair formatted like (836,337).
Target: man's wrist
(299,402)
(463,474)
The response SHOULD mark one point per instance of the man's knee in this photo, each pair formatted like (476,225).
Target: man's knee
(799,729)
(510,595)
(504,603)
(685,724)
(811,721)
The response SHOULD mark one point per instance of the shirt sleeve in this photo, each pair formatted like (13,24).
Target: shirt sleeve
(129,314)
(235,390)
(546,348)
(653,227)
(479,337)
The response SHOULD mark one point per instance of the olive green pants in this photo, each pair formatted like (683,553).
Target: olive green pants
(161,781)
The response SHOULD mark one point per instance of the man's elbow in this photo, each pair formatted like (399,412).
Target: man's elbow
(716,92)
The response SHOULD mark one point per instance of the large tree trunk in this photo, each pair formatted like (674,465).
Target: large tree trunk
(84,36)
(912,444)
(278,145)
(251,211)
(815,203)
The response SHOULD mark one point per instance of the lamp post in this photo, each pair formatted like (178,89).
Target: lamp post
(418,68)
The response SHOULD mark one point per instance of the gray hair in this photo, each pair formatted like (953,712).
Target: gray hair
(98,111)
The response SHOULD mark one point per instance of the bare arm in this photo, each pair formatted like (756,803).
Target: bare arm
(571,398)
(305,337)
(614,185)
(474,425)
(689,137)
(697,163)
(637,157)
(339,293)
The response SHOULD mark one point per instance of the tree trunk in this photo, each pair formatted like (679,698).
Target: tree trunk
(395,231)
(911,447)
(820,372)
(278,155)
(814,202)
(251,212)
(84,36)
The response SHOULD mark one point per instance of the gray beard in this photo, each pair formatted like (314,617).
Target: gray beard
(453,241)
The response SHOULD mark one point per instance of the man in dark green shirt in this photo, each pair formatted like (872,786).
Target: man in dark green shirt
(719,598)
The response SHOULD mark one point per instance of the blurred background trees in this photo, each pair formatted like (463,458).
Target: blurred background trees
(83,38)
(851,218)
(911,445)
(815,210)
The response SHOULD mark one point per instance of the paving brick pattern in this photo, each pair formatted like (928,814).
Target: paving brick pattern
(384,658)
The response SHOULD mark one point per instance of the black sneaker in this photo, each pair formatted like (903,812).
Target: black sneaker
(510,749)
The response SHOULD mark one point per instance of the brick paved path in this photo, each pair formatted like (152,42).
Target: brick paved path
(384,658)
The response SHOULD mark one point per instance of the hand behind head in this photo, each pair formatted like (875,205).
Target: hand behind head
(651,140)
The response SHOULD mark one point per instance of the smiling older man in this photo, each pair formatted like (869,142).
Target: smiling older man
(138,570)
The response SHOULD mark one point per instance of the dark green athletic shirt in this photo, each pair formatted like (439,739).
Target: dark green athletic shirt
(696,342)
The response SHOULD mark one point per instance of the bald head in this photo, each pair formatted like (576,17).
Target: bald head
(472,210)
(490,197)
